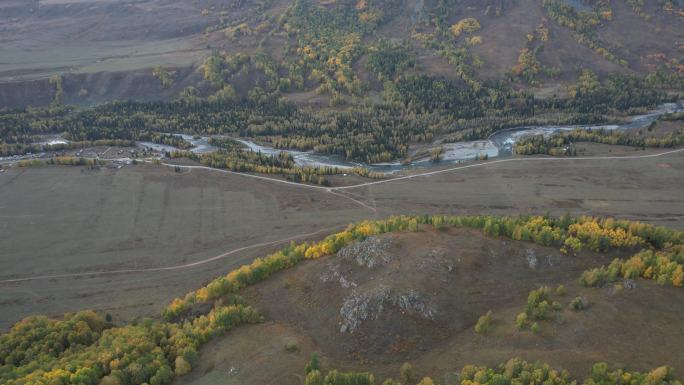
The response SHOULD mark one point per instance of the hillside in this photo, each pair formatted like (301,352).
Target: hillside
(416,297)
(342,50)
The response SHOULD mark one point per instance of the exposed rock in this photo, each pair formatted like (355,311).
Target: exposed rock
(413,302)
(618,287)
(531,259)
(553,260)
(361,306)
(335,275)
(370,252)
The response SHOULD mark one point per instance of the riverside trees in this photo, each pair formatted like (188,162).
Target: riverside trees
(561,144)
(416,108)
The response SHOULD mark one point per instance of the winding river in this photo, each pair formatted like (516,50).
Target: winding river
(498,144)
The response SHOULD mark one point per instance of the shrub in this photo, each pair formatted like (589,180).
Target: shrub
(182,366)
(468,25)
(534,328)
(539,304)
(313,364)
(521,321)
(578,303)
(313,378)
(560,290)
(407,374)
(291,347)
(484,323)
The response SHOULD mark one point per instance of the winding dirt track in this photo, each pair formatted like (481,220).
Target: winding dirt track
(169,268)
(430,173)
(328,190)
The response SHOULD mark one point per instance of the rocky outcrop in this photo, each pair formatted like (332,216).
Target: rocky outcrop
(335,275)
(361,306)
(370,252)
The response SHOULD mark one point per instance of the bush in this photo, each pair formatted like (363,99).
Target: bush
(407,374)
(313,378)
(484,323)
(539,304)
(521,321)
(560,290)
(535,328)
(426,381)
(182,366)
(291,347)
(313,364)
(390,381)
(579,303)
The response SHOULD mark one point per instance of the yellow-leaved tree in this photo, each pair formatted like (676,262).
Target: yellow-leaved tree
(468,25)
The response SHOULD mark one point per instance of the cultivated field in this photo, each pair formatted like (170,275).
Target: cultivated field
(61,220)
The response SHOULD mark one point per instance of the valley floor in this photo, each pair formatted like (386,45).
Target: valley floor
(148,217)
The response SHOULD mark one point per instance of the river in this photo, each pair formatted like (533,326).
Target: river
(498,144)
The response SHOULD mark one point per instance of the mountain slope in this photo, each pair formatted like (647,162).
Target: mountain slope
(537,44)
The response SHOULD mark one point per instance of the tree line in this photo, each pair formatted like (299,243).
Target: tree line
(33,148)
(514,371)
(238,160)
(61,161)
(562,143)
(664,267)
(568,233)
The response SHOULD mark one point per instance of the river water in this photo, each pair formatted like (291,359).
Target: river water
(498,144)
(200,145)
(504,140)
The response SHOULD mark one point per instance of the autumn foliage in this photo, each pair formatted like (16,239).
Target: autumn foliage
(571,234)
